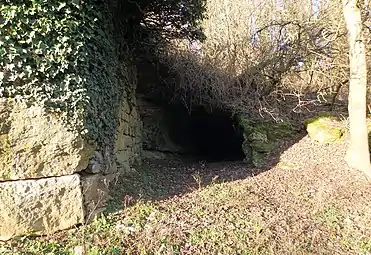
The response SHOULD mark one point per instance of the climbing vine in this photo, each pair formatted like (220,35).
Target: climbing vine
(62,55)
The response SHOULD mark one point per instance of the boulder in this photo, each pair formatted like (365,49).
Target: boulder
(40,206)
(36,144)
(258,159)
(325,129)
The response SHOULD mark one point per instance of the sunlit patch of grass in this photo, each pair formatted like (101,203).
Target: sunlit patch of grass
(288,165)
(31,246)
(332,217)
(222,192)
(365,245)
(343,230)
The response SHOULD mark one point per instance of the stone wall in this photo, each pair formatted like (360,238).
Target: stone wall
(161,128)
(51,178)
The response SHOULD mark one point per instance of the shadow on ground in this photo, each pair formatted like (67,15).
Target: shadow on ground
(161,179)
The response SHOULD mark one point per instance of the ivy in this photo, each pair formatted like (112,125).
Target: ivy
(62,55)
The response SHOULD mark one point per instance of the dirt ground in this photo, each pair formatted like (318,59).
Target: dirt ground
(306,201)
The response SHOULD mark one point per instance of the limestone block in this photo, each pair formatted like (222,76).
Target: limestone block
(40,206)
(128,136)
(35,144)
(96,193)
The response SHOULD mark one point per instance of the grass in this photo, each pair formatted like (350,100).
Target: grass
(178,211)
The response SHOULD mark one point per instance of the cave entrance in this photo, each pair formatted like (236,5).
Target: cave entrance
(206,135)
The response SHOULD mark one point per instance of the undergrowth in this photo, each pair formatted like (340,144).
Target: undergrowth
(241,217)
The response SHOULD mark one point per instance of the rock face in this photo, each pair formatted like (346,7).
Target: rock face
(95,189)
(34,144)
(40,206)
(156,135)
(129,134)
(260,138)
(51,178)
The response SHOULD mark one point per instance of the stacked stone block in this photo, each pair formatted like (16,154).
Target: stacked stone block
(50,177)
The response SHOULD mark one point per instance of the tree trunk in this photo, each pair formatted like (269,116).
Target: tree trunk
(357,155)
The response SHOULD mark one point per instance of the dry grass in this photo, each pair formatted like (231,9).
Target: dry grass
(309,203)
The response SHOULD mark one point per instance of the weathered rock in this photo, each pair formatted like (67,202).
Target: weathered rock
(96,164)
(261,146)
(247,150)
(96,193)
(260,138)
(277,130)
(40,206)
(36,144)
(258,159)
(156,134)
(258,135)
(246,125)
(325,129)
(157,155)
(128,138)
(259,142)
(41,164)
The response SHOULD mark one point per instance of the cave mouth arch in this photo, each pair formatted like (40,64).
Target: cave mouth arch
(212,135)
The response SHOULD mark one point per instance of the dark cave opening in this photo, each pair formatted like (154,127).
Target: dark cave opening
(206,135)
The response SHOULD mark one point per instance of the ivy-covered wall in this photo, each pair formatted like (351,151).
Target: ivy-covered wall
(62,55)
(68,119)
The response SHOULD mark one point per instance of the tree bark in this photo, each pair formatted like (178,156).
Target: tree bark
(357,155)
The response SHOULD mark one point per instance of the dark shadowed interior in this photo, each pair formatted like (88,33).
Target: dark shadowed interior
(210,135)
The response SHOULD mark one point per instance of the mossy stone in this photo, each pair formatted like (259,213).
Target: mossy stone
(260,138)
(259,142)
(258,159)
(258,135)
(276,130)
(247,150)
(260,146)
(246,124)
(324,129)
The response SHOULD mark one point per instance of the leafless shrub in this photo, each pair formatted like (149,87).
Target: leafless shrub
(260,55)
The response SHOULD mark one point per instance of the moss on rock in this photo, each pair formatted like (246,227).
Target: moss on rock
(279,130)
(246,124)
(258,159)
(325,128)
(260,146)
(260,138)
(259,141)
